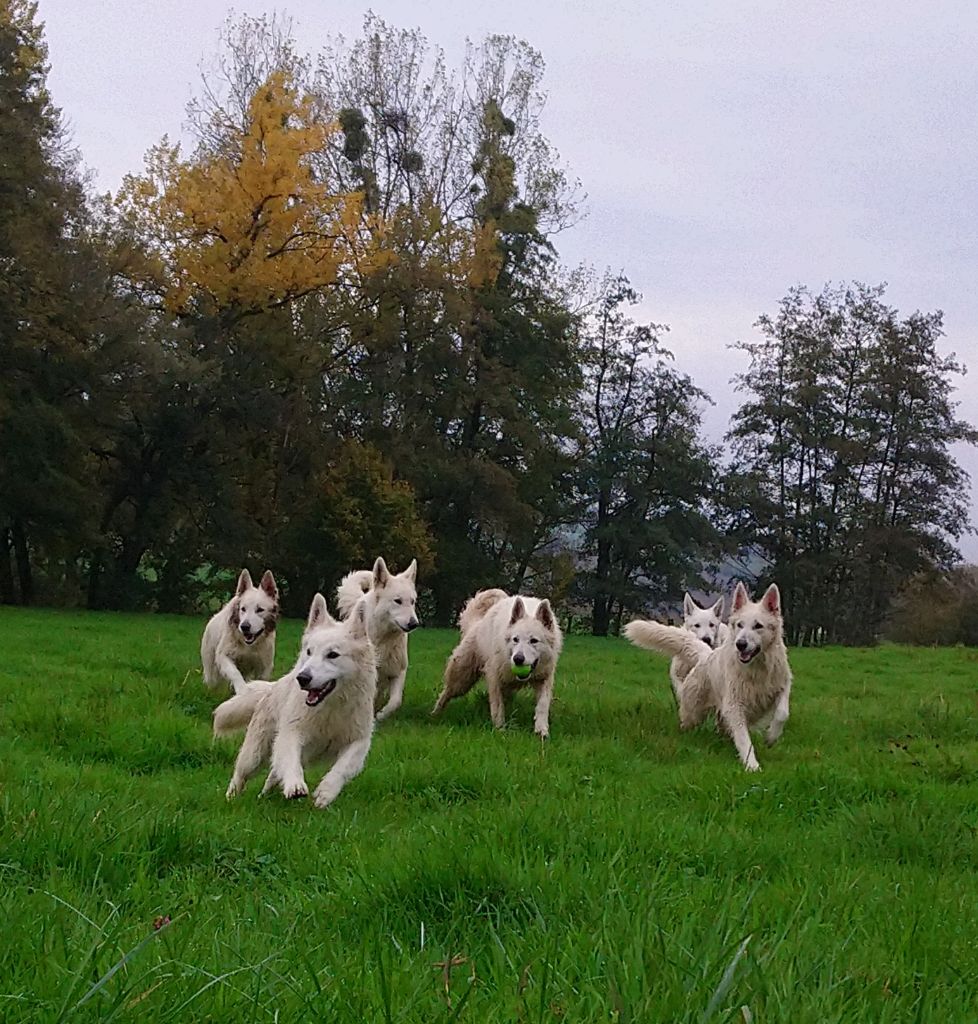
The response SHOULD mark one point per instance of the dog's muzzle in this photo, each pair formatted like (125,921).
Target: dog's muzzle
(410,626)
(317,695)
(249,638)
(747,654)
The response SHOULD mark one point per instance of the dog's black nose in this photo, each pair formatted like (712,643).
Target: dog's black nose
(413,625)
(304,679)
(245,628)
(741,644)
(518,659)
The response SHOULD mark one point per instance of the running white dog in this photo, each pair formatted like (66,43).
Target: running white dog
(324,708)
(745,681)
(390,603)
(705,624)
(501,636)
(239,641)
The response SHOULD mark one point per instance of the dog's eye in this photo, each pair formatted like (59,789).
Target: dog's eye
(758,625)
(516,639)
(397,600)
(333,654)
(534,640)
(308,652)
(258,611)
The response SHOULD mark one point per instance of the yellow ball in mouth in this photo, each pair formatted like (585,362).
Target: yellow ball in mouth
(521,671)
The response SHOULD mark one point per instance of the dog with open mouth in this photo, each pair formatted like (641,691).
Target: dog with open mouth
(745,681)
(239,641)
(323,709)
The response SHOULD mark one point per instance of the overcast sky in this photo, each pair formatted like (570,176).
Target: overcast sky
(729,149)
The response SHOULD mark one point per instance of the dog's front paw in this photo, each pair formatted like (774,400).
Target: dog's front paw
(323,798)
(543,731)
(295,790)
(752,766)
(234,788)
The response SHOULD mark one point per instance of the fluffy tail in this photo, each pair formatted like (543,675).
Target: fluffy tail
(235,713)
(352,587)
(476,607)
(672,640)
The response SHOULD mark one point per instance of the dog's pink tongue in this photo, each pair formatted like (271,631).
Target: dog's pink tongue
(312,697)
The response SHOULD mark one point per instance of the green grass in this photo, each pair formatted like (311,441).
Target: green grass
(622,872)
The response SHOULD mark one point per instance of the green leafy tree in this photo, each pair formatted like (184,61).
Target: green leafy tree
(847,430)
(645,474)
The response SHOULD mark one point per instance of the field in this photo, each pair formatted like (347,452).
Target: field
(622,872)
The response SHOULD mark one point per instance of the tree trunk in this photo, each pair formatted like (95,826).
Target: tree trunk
(8,594)
(22,551)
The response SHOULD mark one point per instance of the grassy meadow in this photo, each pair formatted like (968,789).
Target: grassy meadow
(621,872)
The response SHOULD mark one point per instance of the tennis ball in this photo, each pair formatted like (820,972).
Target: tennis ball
(521,671)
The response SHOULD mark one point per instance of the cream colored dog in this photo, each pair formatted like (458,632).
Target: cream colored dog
(324,708)
(501,635)
(391,614)
(746,681)
(239,641)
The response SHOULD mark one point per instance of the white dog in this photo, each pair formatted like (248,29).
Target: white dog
(239,641)
(324,708)
(705,624)
(390,605)
(745,681)
(501,637)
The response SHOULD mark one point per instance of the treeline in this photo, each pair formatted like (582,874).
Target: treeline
(339,326)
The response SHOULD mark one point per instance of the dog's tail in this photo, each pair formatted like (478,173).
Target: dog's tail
(671,640)
(352,587)
(476,607)
(236,712)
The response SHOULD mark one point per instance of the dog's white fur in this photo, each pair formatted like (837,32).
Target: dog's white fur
(498,632)
(324,708)
(239,641)
(390,601)
(705,624)
(746,681)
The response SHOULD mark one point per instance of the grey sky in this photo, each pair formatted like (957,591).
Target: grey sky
(729,149)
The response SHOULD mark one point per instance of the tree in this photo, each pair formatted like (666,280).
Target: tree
(645,474)
(250,227)
(62,329)
(847,427)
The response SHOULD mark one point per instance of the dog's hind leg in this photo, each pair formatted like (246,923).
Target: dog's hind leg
(348,765)
(395,698)
(254,751)
(693,699)
(461,673)
(778,719)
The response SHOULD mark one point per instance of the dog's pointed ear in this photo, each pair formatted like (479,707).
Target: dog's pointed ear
(244,582)
(381,574)
(268,585)
(545,614)
(411,572)
(689,605)
(772,599)
(718,609)
(318,613)
(519,610)
(740,598)
(358,621)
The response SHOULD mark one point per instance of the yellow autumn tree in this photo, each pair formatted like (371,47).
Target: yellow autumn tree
(252,227)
